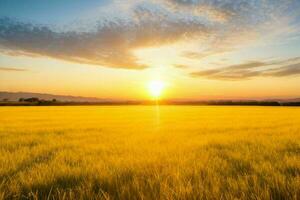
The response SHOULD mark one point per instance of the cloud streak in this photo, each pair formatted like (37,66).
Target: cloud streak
(245,71)
(8,69)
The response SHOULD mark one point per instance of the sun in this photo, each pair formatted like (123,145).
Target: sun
(156,88)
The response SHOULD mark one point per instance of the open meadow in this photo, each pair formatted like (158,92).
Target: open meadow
(150,152)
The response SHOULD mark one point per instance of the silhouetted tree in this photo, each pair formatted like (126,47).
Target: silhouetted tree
(32,99)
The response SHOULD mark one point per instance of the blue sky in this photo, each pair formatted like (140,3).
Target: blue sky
(223,48)
(48,11)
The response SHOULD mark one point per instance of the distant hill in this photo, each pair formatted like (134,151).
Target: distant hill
(15,96)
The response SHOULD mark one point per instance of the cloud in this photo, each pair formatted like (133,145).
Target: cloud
(12,69)
(253,69)
(248,65)
(216,74)
(288,70)
(110,45)
(113,37)
(205,9)
(194,55)
(180,66)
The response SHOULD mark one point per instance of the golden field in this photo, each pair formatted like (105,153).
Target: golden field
(150,152)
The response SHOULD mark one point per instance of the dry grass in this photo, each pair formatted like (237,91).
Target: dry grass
(146,152)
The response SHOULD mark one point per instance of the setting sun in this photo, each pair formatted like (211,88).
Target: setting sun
(156,88)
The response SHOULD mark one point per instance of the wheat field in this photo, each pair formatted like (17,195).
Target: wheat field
(149,152)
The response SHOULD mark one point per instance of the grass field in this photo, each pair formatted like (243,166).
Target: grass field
(149,152)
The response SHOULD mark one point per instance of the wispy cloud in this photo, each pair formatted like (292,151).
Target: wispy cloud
(248,65)
(253,69)
(288,70)
(194,55)
(181,66)
(9,69)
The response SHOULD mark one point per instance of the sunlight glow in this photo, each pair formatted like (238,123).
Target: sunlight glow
(156,88)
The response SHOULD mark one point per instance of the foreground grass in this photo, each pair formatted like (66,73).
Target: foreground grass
(148,152)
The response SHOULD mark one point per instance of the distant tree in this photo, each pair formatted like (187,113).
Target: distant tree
(5,100)
(21,99)
(32,99)
(291,103)
(54,100)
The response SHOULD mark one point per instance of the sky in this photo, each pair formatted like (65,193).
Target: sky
(199,49)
